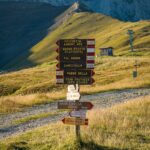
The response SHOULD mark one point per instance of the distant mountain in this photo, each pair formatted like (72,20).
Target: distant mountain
(126,10)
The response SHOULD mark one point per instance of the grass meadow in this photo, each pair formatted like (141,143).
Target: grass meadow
(121,127)
(37,85)
(107,31)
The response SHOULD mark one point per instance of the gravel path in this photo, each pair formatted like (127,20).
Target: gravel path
(100,100)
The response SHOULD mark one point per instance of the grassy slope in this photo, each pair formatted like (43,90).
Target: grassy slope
(111,73)
(106,31)
(124,126)
(38,84)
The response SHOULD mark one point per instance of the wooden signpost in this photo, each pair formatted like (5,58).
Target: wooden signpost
(76,54)
(76,59)
(75,121)
(82,77)
(75,105)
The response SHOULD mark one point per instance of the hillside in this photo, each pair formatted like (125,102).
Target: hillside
(22,25)
(106,30)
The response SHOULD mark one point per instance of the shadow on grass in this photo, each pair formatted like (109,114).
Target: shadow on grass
(93,146)
(18,146)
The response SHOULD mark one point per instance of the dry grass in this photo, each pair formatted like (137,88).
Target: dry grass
(124,126)
(37,85)
(10,104)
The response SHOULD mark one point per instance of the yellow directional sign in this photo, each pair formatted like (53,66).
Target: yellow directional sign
(75,121)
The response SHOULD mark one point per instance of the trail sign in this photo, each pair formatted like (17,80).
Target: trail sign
(76,54)
(73,92)
(82,77)
(73,96)
(73,88)
(75,105)
(79,114)
(79,80)
(76,59)
(75,121)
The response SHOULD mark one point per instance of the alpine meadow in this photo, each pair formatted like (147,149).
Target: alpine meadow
(74,75)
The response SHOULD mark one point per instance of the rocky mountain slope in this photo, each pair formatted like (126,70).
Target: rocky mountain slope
(126,10)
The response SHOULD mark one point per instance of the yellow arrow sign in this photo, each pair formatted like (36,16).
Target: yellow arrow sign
(75,121)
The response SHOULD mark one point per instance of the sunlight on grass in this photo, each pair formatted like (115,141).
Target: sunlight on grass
(123,126)
(37,85)
(10,104)
(106,30)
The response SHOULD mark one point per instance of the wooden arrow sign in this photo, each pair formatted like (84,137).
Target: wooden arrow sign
(75,121)
(57,50)
(92,73)
(70,77)
(76,53)
(58,65)
(58,42)
(57,58)
(75,105)
(92,81)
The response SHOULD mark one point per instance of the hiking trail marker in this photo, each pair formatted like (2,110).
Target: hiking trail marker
(75,121)
(75,67)
(75,105)
(82,77)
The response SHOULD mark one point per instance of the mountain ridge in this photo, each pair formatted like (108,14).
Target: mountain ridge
(125,10)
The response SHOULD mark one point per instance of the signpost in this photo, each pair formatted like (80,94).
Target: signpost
(76,59)
(75,105)
(82,77)
(73,96)
(75,121)
(76,54)
(131,35)
(73,92)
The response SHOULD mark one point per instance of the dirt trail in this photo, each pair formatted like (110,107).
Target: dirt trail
(100,100)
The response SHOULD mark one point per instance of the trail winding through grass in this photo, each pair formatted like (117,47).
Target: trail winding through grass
(9,125)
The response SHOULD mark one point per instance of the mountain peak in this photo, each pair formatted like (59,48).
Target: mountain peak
(125,10)
(82,7)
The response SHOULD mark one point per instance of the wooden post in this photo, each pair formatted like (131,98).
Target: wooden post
(77,130)
(77,127)
(131,34)
(135,72)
